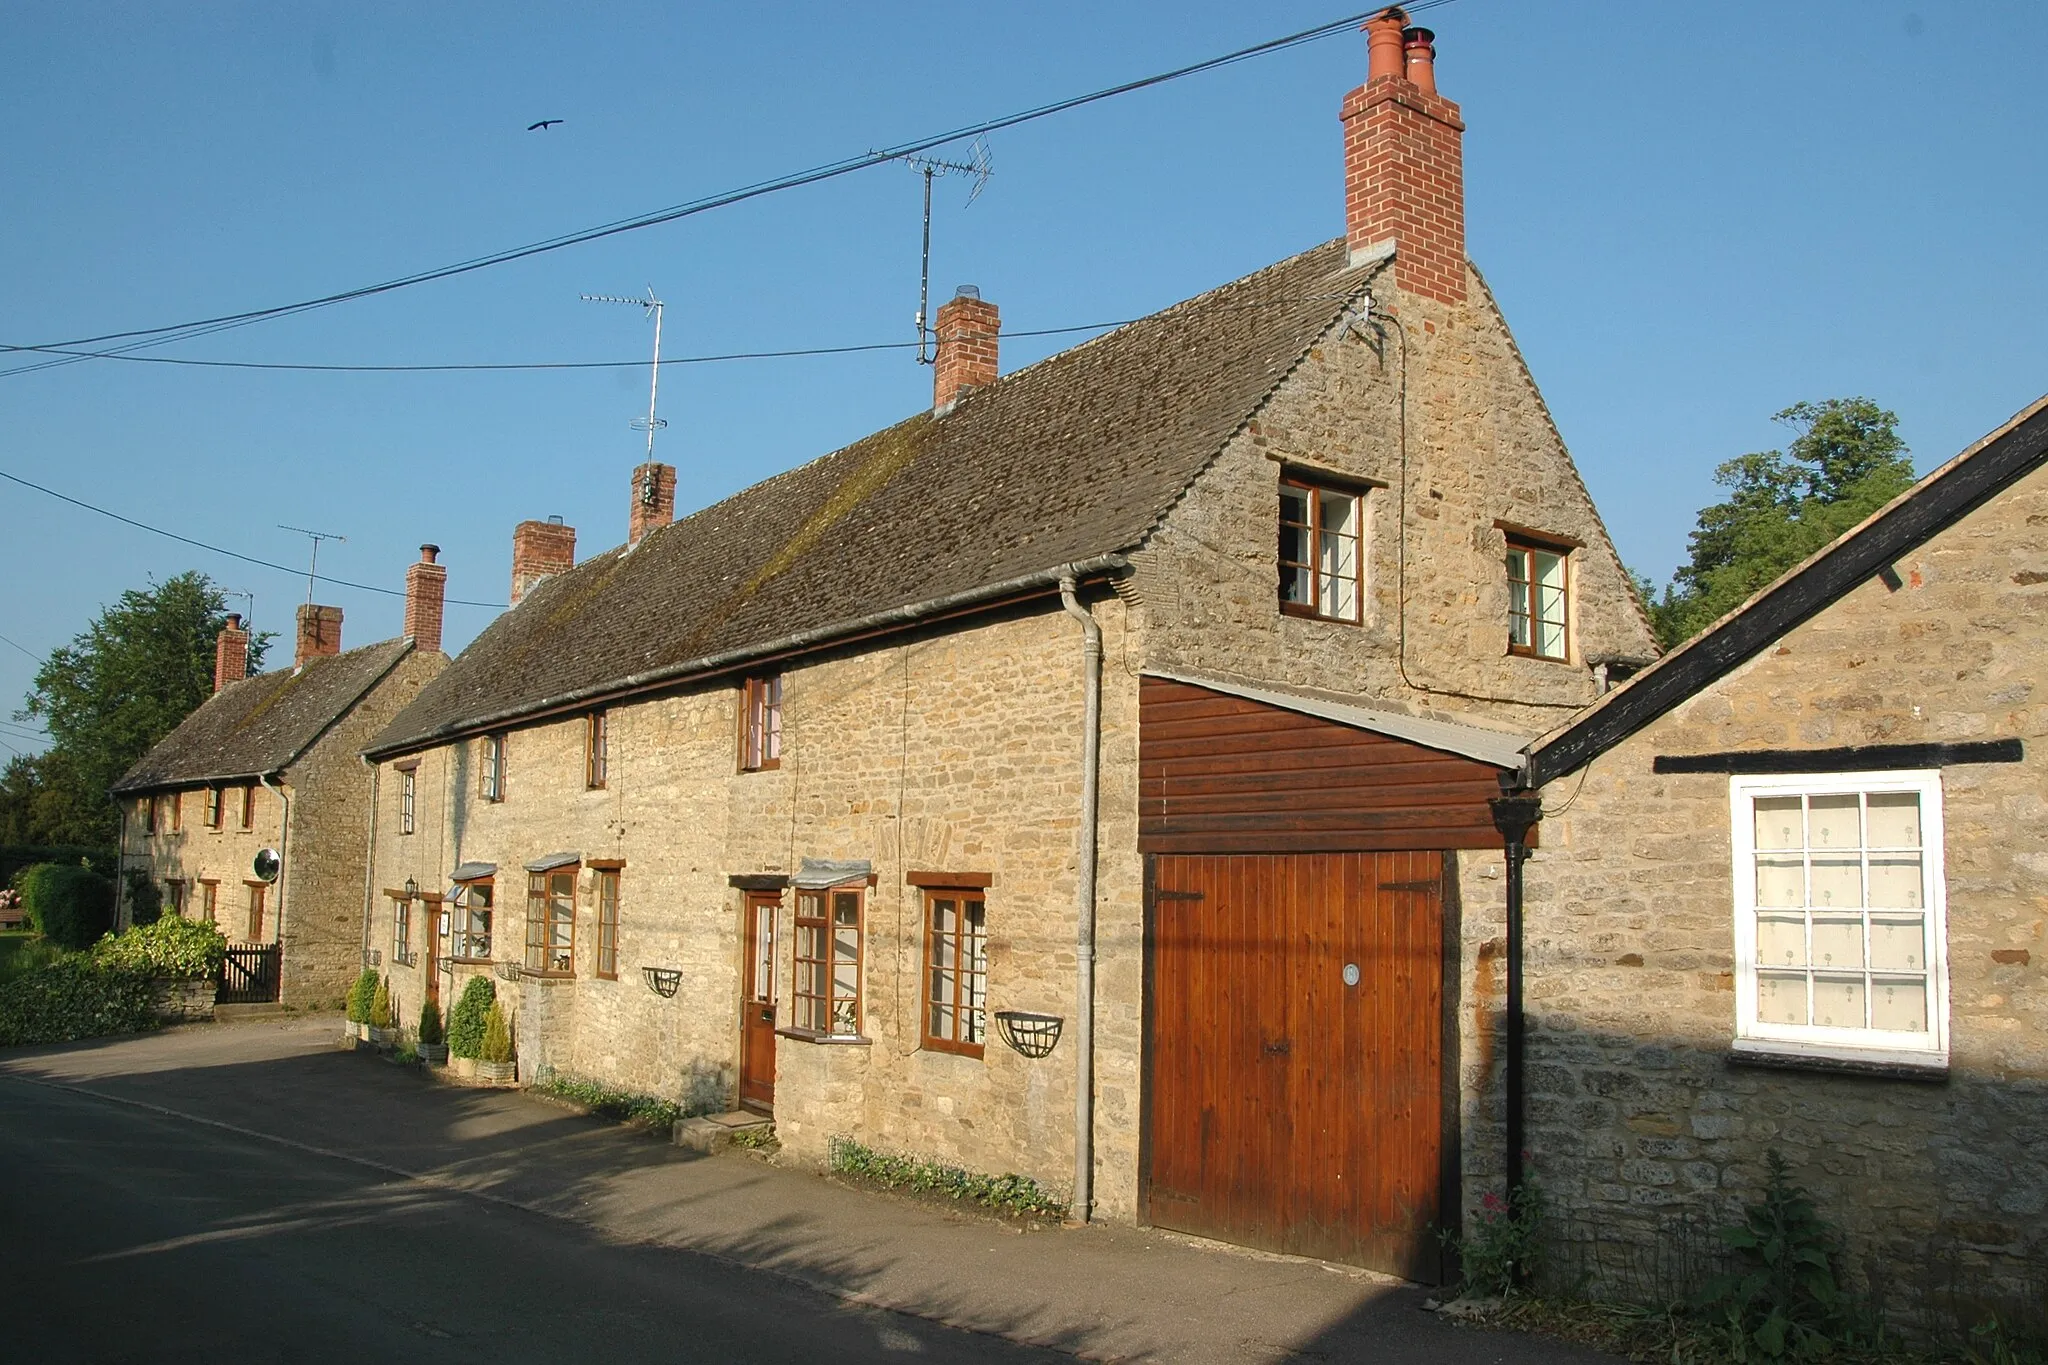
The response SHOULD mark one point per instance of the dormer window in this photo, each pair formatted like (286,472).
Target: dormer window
(1321,550)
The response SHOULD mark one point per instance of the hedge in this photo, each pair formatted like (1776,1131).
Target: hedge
(171,947)
(75,997)
(70,905)
(15,857)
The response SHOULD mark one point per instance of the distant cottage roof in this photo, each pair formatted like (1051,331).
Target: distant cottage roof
(258,726)
(1070,460)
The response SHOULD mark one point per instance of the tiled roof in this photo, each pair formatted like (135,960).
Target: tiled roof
(1072,458)
(259,725)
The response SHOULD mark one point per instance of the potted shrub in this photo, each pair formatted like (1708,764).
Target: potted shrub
(494,1060)
(383,1033)
(466,1023)
(433,1051)
(360,997)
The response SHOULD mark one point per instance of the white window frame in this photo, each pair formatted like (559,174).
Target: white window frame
(1819,1041)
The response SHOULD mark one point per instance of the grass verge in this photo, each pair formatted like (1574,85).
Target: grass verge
(657,1116)
(1016,1196)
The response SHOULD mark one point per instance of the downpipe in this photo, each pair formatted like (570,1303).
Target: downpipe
(1084,901)
(284,834)
(1514,817)
(370,862)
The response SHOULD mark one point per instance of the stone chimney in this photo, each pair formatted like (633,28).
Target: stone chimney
(319,633)
(1404,162)
(967,330)
(230,652)
(426,592)
(540,548)
(654,500)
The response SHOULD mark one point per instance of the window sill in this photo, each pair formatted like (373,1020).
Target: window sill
(972,1051)
(803,1035)
(1520,652)
(471,961)
(1303,613)
(1840,1061)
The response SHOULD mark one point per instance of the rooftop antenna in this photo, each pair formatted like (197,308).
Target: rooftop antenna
(249,598)
(313,566)
(978,165)
(650,423)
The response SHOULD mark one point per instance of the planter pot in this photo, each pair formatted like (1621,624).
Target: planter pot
(434,1054)
(464,1067)
(362,1032)
(498,1073)
(383,1037)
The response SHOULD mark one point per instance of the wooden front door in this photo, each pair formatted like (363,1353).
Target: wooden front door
(1295,1044)
(757,1001)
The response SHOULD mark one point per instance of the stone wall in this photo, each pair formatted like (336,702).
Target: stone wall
(1636,1113)
(197,854)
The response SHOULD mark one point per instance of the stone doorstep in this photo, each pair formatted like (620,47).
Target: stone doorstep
(714,1132)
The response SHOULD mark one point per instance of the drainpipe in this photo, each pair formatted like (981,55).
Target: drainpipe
(284,834)
(1514,817)
(370,865)
(121,906)
(1084,903)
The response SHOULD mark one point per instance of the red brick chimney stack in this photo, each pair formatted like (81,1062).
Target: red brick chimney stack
(540,548)
(967,328)
(1404,162)
(426,592)
(230,653)
(654,500)
(319,634)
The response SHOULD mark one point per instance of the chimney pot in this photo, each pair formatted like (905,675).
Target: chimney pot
(539,549)
(319,634)
(1419,44)
(426,594)
(429,553)
(968,330)
(230,653)
(1383,44)
(654,500)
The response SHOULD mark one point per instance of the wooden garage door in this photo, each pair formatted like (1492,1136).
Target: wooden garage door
(1290,1110)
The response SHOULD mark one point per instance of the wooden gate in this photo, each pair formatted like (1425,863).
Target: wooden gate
(1295,1051)
(249,974)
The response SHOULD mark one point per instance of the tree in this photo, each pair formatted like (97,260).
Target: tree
(1846,462)
(123,684)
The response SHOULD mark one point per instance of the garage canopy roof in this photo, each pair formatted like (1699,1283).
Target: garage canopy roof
(1500,748)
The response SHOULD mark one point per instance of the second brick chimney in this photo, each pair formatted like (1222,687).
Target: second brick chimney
(1404,162)
(540,548)
(230,653)
(319,633)
(654,500)
(967,328)
(426,593)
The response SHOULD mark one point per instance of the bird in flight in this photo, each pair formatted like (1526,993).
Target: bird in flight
(544,123)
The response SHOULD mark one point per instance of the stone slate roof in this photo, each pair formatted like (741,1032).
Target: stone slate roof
(260,725)
(1071,459)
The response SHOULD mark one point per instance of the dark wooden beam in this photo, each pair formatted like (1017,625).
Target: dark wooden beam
(1849,759)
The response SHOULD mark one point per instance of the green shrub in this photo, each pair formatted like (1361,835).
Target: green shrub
(430,1023)
(466,1020)
(16,858)
(74,997)
(21,953)
(380,1005)
(1504,1250)
(1013,1194)
(657,1115)
(169,947)
(71,905)
(497,1045)
(1783,1301)
(145,897)
(361,995)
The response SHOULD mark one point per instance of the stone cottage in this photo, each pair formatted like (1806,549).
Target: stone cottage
(1792,894)
(254,813)
(1087,777)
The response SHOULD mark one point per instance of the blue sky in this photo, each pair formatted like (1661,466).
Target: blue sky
(1693,216)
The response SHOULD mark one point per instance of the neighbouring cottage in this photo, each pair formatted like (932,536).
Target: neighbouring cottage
(254,813)
(1088,777)
(1793,894)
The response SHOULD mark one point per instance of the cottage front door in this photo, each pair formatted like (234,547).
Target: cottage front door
(757,1002)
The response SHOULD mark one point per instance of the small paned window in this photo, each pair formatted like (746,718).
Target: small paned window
(174,895)
(828,962)
(955,970)
(249,806)
(213,804)
(761,724)
(1839,907)
(209,902)
(1321,551)
(408,791)
(491,765)
(401,931)
(551,922)
(177,811)
(471,922)
(1539,586)
(149,814)
(594,751)
(608,923)
(257,894)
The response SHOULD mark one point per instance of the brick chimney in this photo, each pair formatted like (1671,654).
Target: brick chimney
(426,592)
(1404,162)
(230,653)
(540,548)
(967,329)
(654,500)
(319,633)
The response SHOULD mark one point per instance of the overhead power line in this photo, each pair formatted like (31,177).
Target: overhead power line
(23,648)
(827,171)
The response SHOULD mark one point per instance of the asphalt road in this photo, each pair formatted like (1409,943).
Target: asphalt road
(132,1235)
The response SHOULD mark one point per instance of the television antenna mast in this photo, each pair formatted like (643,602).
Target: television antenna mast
(981,167)
(650,423)
(313,566)
(249,600)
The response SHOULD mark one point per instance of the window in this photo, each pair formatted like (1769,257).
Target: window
(1840,945)
(594,746)
(471,921)
(249,806)
(955,970)
(257,891)
(608,923)
(174,896)
(408,791)
(491,764)
(551,922)
(213,804)
(1320,560)
(761,724)
(1538,587)
(401,931)
(209,902)
(177,811)
(828,962)
(149,814)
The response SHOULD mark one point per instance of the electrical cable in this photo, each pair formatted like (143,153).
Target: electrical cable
(705,204)
(23,648)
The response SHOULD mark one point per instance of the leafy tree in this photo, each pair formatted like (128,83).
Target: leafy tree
(142,666)
(1846,462)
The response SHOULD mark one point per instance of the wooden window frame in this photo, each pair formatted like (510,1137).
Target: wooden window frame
(540,921)
(971,976)
(176,887)
(1313,491)
(408,800)
(491,769)
(248,805)
(177,812)
(401,931)
(151,817)
(833,1014)
(608,922)
(214,802)
(1526,545)
(761,744)
(465,936)
(258,908)
(209,901)
(596,751)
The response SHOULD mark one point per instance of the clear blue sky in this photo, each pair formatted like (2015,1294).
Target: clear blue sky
(1693,215)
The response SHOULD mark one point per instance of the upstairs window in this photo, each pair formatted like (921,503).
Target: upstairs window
(249,806)
(1321,551)
(408,792)
(828,962)
(177,811)
(595,746)
(149,814)
(551,922)
(491,767)
(761,724)
(471,922)
(213,804)
(1539,587)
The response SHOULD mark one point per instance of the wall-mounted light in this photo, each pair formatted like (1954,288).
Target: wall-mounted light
(412,888)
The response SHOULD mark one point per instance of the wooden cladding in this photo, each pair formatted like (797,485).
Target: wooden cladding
(1224,774)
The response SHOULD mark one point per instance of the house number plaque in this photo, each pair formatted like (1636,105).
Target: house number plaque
(1351,973)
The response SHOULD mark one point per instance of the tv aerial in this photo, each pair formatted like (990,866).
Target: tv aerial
(313,565)
(981,167)
(650,423)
